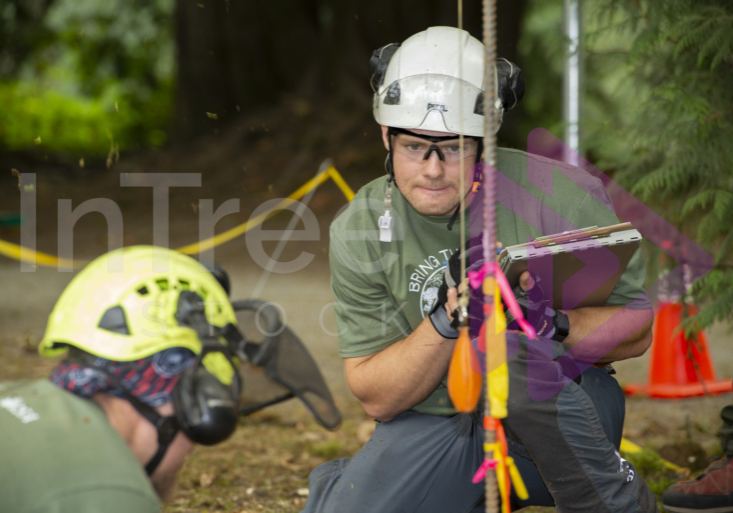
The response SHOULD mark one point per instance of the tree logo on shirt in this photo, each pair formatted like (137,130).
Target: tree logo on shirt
(427,278)
(430,291)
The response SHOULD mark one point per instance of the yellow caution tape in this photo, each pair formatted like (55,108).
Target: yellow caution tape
(23,254)
(228,235)
(631,448)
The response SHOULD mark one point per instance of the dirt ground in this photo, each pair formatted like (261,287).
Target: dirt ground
(265,466)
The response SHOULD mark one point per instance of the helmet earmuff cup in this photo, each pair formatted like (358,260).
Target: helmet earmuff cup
(378,64)
(205,407)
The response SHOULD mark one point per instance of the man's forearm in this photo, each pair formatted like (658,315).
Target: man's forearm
(404,374)
(609,333)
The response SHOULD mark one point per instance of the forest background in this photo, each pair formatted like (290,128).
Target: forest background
(83,82)
(258,93)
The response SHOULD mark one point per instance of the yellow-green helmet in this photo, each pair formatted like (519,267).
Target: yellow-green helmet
(133,294)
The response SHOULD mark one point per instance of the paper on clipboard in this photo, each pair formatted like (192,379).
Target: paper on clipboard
(556,259)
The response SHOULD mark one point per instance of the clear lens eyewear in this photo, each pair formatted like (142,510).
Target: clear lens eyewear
(418,148)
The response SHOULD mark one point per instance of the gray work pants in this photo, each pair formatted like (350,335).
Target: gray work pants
(566,448)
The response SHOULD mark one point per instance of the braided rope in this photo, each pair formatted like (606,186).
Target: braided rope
(489,220)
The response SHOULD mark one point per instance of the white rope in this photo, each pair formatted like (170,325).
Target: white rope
(463,298)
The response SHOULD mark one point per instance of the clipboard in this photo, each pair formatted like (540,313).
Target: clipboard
(563,250)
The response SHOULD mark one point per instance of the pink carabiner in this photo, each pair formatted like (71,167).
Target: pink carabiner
(476,278)
(480,475)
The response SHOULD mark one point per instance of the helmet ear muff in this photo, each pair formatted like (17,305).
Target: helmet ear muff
(510,83)
(378,64)
(205,407)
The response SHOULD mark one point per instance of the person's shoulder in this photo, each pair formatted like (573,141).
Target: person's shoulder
(363,211)
(65,442)
(110,498)
(515,164)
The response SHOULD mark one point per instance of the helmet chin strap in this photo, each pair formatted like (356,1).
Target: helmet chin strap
(389,162)
(453,217)
(167,427)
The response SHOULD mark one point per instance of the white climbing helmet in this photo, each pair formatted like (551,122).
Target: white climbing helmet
(421,84)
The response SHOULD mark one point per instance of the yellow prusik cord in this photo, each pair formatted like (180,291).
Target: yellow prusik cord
(496,365)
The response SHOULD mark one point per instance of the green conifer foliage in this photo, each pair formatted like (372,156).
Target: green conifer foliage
(678,135)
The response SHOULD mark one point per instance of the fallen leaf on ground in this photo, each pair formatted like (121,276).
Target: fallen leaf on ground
(311,436)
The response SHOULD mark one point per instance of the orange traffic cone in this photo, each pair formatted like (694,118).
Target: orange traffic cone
(679,367)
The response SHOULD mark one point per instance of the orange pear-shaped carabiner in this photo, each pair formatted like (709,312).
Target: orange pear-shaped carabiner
(464,383)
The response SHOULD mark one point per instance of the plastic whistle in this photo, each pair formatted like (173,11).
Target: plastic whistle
(386,222)
(464,383)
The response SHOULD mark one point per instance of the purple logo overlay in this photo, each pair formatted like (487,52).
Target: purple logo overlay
(535,204)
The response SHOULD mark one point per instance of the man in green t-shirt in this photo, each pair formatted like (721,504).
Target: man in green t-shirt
(113,425)
(388,254)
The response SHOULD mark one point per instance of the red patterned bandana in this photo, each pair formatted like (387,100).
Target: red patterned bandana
(150,379)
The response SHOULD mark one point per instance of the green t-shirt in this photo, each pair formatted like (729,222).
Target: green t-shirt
(384,290)
(58,453)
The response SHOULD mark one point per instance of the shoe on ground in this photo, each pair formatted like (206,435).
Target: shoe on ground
(711,492)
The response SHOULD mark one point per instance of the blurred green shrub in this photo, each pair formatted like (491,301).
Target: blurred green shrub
(671,141)
(656,116)
(100,73)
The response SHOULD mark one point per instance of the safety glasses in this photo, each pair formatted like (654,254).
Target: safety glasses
(418,147)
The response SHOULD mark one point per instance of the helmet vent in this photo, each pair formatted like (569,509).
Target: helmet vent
(162,284)
(185,285)
(378,64)
(478,107)
(393,94)
(114,320)
(143,291)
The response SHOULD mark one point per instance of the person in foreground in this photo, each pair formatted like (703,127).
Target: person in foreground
(147,374)
(394,304)
(712,491)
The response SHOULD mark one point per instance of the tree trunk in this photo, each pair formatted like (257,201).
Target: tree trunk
(234,56)
(509,25)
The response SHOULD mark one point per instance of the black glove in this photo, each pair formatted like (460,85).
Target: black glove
(452,278)
(548,322)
